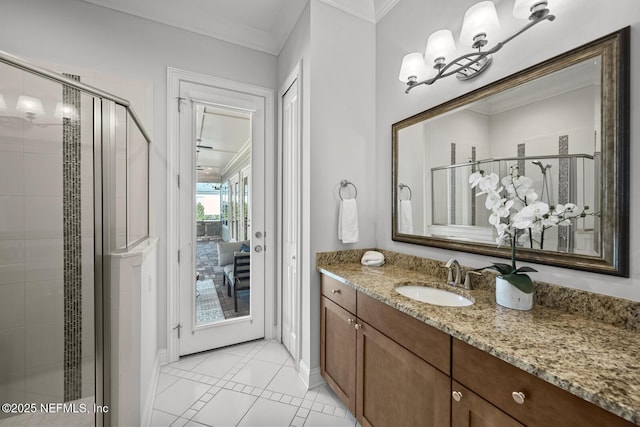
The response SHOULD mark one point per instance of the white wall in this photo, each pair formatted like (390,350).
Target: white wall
(342,135)
(571,113)
(82,35)
(405,30)
(337,52)
(296,50)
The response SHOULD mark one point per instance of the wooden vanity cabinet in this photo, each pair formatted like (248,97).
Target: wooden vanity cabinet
(395,387)
(338,339)
(379,380)
(470,410)
(540,404)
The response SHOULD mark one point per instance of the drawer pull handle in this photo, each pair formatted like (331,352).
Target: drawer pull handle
(518,397)
(457,396)
(335,291)
(358,326)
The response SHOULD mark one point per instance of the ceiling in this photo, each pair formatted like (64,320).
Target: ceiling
(263,25)
(222,135)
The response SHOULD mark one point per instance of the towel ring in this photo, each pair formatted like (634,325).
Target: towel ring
(402,187)
(343,184)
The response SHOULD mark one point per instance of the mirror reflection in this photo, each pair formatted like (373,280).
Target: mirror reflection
(495,134)
(559,124)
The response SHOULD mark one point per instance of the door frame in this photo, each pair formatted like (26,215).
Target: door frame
(174,77)
(295,76)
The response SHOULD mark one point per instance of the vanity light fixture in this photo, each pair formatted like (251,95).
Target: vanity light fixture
(479,25)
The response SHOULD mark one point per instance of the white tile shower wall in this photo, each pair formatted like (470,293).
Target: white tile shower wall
(31,257)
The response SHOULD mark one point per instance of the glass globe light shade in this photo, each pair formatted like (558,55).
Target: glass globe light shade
(440,44)
(413,66)
(479,18)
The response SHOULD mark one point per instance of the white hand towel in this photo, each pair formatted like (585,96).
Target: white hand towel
(406,217)
(348,221)
(372,258)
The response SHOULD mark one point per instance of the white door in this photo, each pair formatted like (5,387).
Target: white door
(193,335)
(290,217)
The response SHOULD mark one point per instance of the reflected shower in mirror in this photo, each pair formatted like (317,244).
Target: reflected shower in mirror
(560,124)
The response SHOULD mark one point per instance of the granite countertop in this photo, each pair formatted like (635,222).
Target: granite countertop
(594,360)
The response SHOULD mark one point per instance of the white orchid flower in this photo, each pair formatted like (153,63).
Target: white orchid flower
(475,178)
(489,182)
(535,210)
(550,221)
(494,200)
(503,211)
(530,195)
(517,202)
(536,228)
(522,223)
(523,181)
(558,210)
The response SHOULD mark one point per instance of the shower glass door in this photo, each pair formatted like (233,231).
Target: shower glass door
(47,276)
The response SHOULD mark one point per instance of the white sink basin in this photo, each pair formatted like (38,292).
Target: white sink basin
(434,296)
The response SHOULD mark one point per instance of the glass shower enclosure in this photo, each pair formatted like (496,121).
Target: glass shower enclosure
(74,167)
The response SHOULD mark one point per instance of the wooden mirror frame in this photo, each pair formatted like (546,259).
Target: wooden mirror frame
(615,195)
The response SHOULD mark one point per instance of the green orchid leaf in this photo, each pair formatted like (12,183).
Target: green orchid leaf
(525,269)
(502,268)
(520,281)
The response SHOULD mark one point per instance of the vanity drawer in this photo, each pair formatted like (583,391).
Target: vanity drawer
(426,342)
(341,294)
(544,404)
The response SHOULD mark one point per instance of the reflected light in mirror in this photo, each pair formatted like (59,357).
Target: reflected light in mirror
(65,111)
(479,19)
(413,68)
(440,47)
(30,106)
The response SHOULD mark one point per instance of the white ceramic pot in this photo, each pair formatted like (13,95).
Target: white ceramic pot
(509,296)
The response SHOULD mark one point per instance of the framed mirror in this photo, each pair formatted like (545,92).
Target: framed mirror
(563,123)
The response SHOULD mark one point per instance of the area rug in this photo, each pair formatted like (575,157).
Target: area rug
(208,308)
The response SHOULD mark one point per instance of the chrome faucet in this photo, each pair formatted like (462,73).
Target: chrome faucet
(452,265)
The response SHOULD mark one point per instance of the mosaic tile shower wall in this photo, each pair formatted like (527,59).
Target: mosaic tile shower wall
(473,190)
(72,243)
(521,164)
(563,189)
(452,193)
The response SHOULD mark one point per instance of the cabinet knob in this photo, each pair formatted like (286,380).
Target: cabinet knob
(335,291)
(350,321)
(358,326)
(518,397)
(457,396)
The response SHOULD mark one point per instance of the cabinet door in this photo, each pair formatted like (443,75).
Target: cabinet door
(470,410)
(396,387)
(338,351)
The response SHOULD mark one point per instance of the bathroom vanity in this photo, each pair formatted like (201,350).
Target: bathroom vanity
(394,361)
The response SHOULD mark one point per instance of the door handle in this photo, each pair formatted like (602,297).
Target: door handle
(258,248)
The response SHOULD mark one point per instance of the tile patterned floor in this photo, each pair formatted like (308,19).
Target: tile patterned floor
(249,385)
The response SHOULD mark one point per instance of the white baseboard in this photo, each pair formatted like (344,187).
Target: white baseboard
(310,377)
(149,398)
